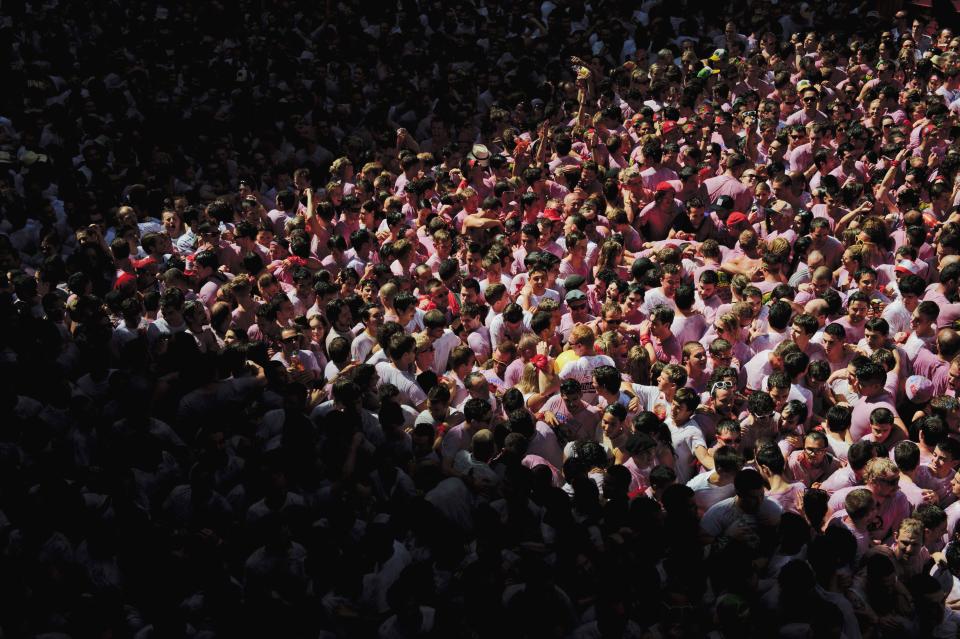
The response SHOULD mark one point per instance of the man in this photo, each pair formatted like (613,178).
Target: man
(937,367)
(576,419)
(745,517)
(657,338)
(711,487)
(809,97)
(868,382)
(686,436)
(402,353)
(858,304)
(729,184)
(578,313)
(478,415)
(340,319)
(882,478)
(765,363)
(301,363)
(944,294)
(664,294)
(582,343)
(899,312)
(812,464)
(372,317)
(444,340)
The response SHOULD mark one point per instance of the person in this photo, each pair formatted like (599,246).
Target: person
(710,487)
(882,478)
(686,436)
(747,517)
(581,369)
(770,463)
(813,463)
(374,196)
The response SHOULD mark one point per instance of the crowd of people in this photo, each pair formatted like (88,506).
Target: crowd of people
(529,319)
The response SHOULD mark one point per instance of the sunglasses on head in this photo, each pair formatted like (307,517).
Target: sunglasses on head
(721,385)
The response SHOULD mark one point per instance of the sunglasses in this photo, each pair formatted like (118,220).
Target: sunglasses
(721,385)
(577,307)
(615,322)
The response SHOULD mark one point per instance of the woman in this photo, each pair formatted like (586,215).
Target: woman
(615,432)
(611,257)
(851,261)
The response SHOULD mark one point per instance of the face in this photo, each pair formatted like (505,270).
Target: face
(941,461)
(920,323)
(680,413)
(881,431)
(729,438)
(612,427)
(706,290)
(780,397)
(698,359)
(612,321)
(695,214)
(538,281)
(884,487)
(439,297)
(578,310)
(670,283)
(857,312)
(750,501)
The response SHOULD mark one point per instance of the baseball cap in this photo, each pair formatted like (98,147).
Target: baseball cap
(552,214)
(664,186)
(668,126)
(907,266)
(723,203)
(919,389)
(736,218)
(145,262)
(573,281)
(575,294)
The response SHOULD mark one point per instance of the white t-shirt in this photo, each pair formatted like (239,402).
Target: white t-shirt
(581,369)
(723,515)
(410,392)
(685,440)
(705,493)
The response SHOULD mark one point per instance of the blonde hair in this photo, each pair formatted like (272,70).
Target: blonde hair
(609,341)
(879,467)
(582,334)
(529,379)
(911,525)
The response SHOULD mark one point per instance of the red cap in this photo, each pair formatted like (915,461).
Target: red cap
(125,278)
(907,266)
(668,126)
(145,262)
(552,214)
(736,218)
(664,186)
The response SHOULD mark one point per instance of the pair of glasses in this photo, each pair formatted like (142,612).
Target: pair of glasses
(721,385)
(615,322)
(577,307)
(815,451)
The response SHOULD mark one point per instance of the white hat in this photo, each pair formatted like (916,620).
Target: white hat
(481,154)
